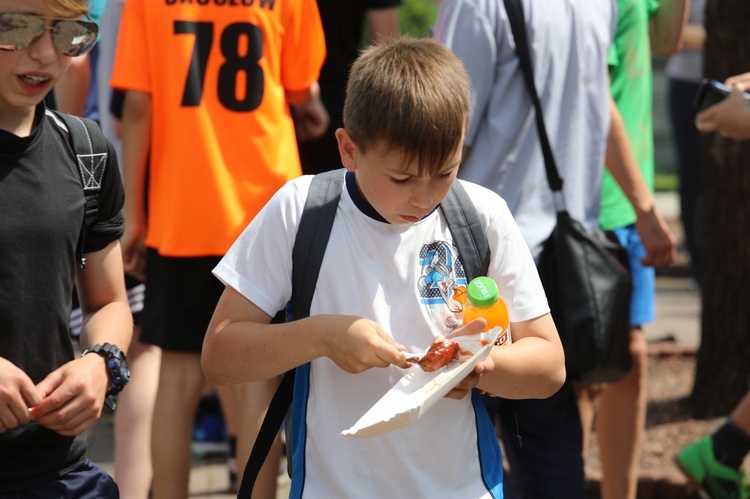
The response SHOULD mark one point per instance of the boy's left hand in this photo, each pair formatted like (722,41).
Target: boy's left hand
(73,396)
(472,379)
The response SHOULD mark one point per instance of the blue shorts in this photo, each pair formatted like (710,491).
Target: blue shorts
(88,481)
(642,299)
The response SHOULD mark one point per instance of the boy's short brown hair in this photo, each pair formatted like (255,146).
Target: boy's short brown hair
(412,95)
(68,8)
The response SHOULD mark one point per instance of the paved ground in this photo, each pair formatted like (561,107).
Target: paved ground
(678,320)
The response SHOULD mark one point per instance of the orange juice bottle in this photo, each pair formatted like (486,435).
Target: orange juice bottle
(484,301)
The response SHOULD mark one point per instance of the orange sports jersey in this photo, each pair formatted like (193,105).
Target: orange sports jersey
(222,138)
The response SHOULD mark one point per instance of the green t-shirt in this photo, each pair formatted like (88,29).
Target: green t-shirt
(631,86)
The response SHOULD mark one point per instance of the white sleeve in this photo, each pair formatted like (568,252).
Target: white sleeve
(259,263)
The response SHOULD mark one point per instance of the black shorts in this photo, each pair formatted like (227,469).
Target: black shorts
(181,296)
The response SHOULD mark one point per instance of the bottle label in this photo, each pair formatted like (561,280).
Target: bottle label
(503,337)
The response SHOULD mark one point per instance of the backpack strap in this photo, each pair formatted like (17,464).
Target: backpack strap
(91,151)
(307,256)
(467,231)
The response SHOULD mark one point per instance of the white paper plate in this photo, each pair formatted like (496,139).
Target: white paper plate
(418,391)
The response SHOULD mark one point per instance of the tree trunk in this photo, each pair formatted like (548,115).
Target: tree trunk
(723,364)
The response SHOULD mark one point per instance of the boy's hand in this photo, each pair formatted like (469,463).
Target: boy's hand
(361,345)
(134,248)
(472,379)
(658,240)
(474,327)
(74,396)
(17,394)
(311,120)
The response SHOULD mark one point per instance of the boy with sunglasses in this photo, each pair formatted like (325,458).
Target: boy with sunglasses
(48,397)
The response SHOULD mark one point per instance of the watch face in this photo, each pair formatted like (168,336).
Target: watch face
(119,372)
(124,373)
(117,366)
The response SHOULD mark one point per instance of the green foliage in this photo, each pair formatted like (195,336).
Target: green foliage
(416,17)
(666,182)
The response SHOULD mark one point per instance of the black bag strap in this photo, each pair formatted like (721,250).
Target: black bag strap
(307,257)
(514,9)
(90,148)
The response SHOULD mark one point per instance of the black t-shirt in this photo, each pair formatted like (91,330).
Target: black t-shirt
(41,213)
(343,25)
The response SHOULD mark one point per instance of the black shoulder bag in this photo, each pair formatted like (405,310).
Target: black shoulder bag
(584,271)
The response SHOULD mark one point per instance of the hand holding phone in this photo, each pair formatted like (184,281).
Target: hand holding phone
(711,92)
(724,110)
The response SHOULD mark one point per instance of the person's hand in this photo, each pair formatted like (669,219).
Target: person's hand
(464,388)
(17,394)
(73,396)
(356,344)
(741,81)
(310,119)
(133,244)
(658,240)
(730,117)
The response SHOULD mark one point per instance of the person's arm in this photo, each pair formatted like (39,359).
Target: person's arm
(382,23)
(730,117)
(533,366)
(136,137)
(71,90)
(74,393)
(693,38)
(241,346)
(310,116)
(665,27)
(655,235)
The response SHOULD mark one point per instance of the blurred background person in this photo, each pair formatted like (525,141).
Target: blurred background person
(684,72)
(344,23)
(208,89)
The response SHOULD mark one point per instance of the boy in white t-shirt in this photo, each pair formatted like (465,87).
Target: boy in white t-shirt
(406,112)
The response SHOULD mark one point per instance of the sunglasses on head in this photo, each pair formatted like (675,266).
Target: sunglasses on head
(71,37)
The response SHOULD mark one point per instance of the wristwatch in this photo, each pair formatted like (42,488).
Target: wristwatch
(117,368)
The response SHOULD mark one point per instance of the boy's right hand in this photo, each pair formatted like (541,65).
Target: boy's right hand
(17,394)
(362,344)
(134,247)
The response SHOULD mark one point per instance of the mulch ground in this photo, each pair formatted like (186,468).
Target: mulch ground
(669,427)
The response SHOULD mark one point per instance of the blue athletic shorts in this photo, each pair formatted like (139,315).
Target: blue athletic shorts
(642,299)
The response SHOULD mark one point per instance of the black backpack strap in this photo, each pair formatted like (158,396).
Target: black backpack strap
(312,238)
(307,256)
(90,148)
(467,231)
